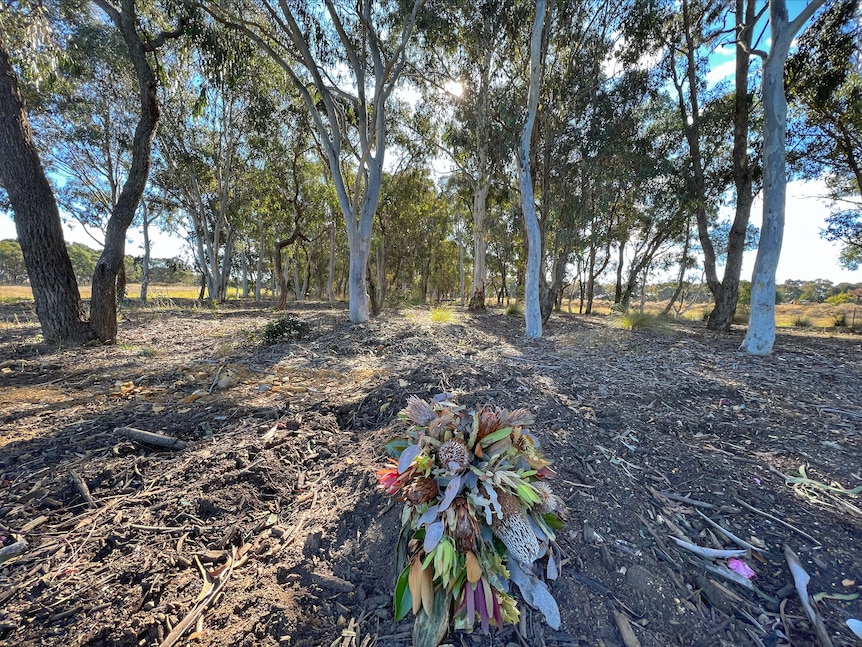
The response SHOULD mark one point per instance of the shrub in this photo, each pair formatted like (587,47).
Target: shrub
(802,322)
(514,310)
(288,327)
(838,299)
(439,314)
(638,320)
(840,320)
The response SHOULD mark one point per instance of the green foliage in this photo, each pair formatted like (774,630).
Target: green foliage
(514,310)
(838,299)
(638,320)
(12,269)
(440,314)
(287,328)
(802,322)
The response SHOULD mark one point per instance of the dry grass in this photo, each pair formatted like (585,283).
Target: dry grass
(11,293)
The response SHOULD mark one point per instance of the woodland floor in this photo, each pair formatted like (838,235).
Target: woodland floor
(270,521)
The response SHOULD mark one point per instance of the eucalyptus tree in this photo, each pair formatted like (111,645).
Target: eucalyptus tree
(761,325)
(36,212)
(532,309)
(462,63)
(85,127)
(344,61)
(824,86)
(23,33)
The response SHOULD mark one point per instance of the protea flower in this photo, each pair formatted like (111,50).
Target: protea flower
(418,411)
(422,490)
(462,524)
(519,418)
(488,423)
(454,455)
(444,421)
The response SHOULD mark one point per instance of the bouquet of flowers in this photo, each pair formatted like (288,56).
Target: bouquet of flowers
(478,515)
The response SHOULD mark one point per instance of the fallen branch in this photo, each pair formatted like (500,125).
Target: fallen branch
(801,579)
(727,574)
(736,540)
(776,520)
(628,636)
(210,591)
(12,550)
(82,488)
(148,437)
(709,553)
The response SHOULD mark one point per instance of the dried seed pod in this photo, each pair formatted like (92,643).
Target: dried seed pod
(518,536)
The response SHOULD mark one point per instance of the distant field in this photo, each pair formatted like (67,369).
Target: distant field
(133,290)
(814,315)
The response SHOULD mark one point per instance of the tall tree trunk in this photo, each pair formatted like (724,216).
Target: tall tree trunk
(691,117)
(244,266)
(532,309)
(103,304)
(261,247)
(481,186)
(761,326)
(722,314)
(330,278)
(461,266)
(37,220)
(145,265)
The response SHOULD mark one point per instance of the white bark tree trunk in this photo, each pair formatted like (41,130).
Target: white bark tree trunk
(532,310)
(761,325)
(330,279)
(145,265)
(261,249)
(244,264)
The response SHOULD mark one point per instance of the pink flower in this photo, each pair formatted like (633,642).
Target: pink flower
(739,566)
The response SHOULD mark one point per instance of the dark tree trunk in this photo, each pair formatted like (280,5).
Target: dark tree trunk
(37,220)
(725,301)
(103,305)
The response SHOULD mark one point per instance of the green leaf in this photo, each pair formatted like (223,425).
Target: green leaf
(553,521)
(500,434)
(430,632)
(403,599)
(395,446)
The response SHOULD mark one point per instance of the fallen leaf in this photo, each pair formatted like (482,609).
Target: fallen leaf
(848,582)
(474,571)
(739,566)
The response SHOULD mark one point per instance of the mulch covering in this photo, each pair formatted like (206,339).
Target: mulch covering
(262,524)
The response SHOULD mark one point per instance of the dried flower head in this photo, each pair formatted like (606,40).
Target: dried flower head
(421,490)
(442,421)
(418,411)
(488,423)
(550,501)
(454,456)
(463,525)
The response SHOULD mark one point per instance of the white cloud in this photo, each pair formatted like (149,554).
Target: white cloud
(721,72)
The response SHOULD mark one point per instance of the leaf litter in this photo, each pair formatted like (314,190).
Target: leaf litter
(254,519)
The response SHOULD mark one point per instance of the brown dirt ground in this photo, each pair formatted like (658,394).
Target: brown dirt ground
(271,517)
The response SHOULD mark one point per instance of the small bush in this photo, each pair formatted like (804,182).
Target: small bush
(802,322)
(638,320)
(514,310)
(840,320)
(286,328)
(440,314)
(838,299)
